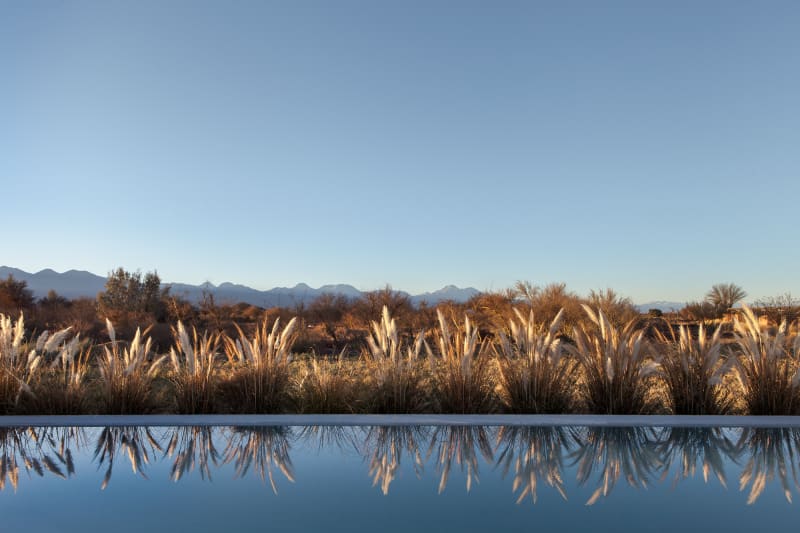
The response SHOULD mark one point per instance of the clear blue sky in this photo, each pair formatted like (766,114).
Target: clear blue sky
(652,147)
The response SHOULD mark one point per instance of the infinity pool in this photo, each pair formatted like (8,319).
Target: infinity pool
(398,478)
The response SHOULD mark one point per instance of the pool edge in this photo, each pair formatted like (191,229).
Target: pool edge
(401,420)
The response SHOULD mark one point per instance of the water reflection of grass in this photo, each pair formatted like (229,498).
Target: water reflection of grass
(537,453)
(535,456)
(384,447)
(461,445)
(770,454)
(261,448)
(36,451)
(137,442)
(686,447)
(193,447)
(613,453)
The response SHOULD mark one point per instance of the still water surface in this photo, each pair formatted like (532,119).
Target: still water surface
(444,478)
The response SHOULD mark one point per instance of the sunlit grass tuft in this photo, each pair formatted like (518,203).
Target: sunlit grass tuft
(127,374)
(328,386)
(767,368)
(694,370)
(535,375)
(193,362)
(61,387)
(394,374)
(617,370)
(260,380)
(462,378)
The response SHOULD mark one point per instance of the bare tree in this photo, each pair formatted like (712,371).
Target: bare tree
(779,308)
(723,296)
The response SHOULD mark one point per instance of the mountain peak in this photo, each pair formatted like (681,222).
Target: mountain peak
(79,283)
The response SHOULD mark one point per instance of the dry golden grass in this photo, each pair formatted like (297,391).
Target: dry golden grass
(767,368)
(61,388)
(193,362)
(259,380)
(394,381)
(127,374)
(18,363)
(462,372)
(694,370)
(526,368)
(328,387)
(617,370)
(534,375)
(45,377)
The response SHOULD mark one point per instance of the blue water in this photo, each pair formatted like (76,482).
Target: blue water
(397,479)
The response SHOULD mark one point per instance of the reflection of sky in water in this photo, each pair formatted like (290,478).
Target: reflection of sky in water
(397,478)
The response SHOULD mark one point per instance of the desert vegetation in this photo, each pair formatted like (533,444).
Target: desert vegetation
(527,350)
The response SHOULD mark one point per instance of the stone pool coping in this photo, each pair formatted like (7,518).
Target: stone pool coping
(402,420)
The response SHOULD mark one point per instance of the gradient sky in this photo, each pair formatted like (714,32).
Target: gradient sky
(652,147)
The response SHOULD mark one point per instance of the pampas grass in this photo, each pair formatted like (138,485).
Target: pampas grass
(18,365)
(327,387)
(534,374)
(694,370)
(617,371)
(462,372)
(767,368)
(126,374)
(193,365)
(260,380)
(28,384)
(394,376)
(61,387)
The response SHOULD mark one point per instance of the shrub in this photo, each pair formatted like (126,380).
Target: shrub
(694,370)
(126,374)
(22,367)
(395,382)
(767,368)
(193,362)
(461,373)
(327,387)
(616,368)
(534,376)
(260,380)
(60,388)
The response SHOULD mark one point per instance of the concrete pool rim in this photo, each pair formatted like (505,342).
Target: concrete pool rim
(401,420)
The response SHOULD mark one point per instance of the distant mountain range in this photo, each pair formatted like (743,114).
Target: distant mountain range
(79,283)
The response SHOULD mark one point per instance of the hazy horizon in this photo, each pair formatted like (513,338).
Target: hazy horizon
(646,147)
(697,298)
